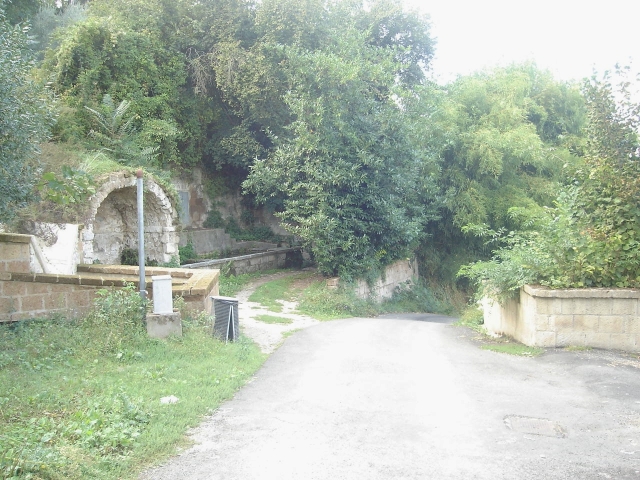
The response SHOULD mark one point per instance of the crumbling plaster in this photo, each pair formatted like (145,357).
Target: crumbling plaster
(111,224)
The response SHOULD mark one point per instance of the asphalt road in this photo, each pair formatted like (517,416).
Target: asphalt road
(413,397)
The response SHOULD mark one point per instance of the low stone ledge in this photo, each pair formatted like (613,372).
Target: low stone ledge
(592,317)
(546,292)
(195,286)
(14,238)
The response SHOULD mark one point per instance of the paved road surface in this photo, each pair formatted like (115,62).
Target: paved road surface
(413,397)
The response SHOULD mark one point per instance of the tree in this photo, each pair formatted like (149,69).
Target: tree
(504,136)
(592,237)
(346,171)
(27,115)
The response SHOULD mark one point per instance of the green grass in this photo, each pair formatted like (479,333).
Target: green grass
(272,319)
(322,303)
(230,285)
(82,399)
(269,293)
(472,317)
(514,349)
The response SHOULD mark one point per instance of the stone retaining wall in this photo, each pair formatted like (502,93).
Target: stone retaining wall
(276,258)
(396,274)
(590,317)
(209,240)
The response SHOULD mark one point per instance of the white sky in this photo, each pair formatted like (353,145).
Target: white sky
(568,37)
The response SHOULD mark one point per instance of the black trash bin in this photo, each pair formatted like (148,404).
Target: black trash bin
(226,324)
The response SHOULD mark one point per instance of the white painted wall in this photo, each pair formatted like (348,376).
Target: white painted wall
(61,257)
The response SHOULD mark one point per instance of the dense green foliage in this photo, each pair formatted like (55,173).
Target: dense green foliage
(502,138)
(27,115)
(591,237)
(324,110)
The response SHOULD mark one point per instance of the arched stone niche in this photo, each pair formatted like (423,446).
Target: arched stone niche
(112,224)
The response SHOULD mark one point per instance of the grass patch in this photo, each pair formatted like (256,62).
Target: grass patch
(230,285)
(514,349)
(272,319)
(322,303)
(288,333)
(82,399)
(269,293)
(472,317)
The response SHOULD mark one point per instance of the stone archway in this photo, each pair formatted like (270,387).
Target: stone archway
(112,224)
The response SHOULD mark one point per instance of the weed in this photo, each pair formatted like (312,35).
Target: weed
(188,252)
(230,285)
(322,303)
(472,317)
(288,333)
(514,349)
(577,348)
(272,319)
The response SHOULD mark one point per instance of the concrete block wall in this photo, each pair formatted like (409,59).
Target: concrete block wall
(590,317)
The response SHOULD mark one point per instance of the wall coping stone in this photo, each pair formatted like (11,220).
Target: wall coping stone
(546,292)
(14,238)
(222,261)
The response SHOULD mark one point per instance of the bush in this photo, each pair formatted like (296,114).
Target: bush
(188,252)
(592,237)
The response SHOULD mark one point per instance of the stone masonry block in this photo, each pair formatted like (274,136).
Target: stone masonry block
(8,305)
(566,339)
(14,289)
(38,288)
(632,325)
(21,266)
(55,302)
(15,251)
(585,323)
(621,341)
(32,303)
(549,306)
(567,306)
(597,339)
(163,325)
(561,322)
(545,339)
(624,306)
(611,324)
(542,322)
(599,306)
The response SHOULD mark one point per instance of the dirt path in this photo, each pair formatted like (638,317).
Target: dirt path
(267,335)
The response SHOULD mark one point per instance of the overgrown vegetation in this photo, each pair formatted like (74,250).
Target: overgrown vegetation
(81,399)
(591,237)
(323,113)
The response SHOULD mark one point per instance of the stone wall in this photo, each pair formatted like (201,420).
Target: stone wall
(590,317)
(15,253)
(396,274)
(22,296)
(28,294)
(276,258)
(112,222)
(195,205)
